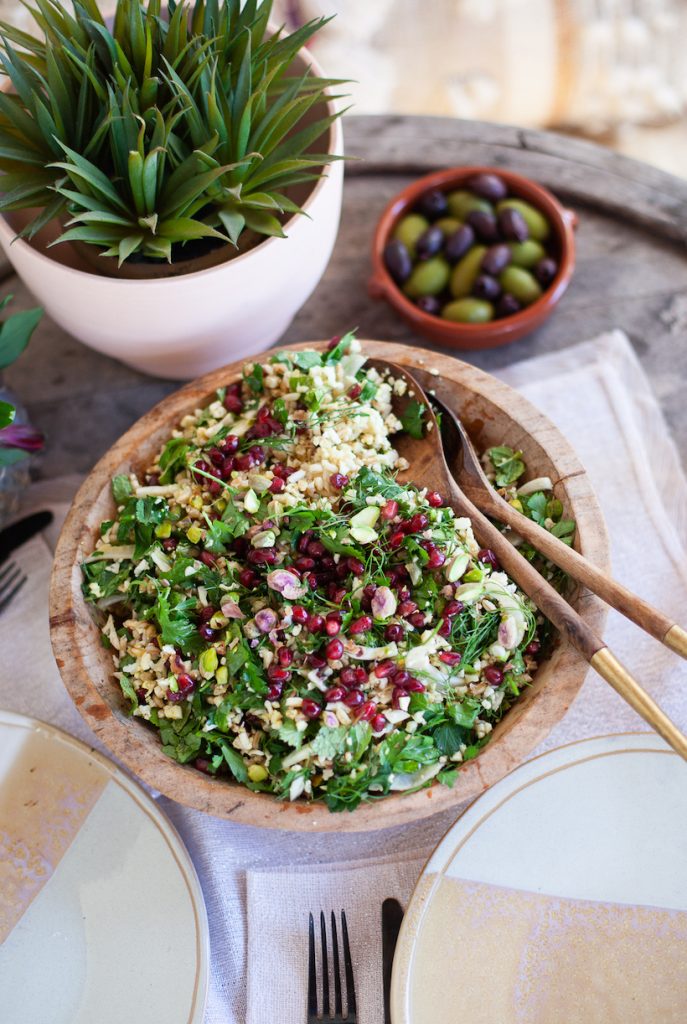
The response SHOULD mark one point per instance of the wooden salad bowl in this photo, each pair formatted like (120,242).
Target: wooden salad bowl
(494,414)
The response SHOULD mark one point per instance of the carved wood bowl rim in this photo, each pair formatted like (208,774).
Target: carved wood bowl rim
(494,413)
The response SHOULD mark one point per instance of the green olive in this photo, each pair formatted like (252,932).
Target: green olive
(448,225)
(468,311)
(409,229)
(526,254)
(462,202)
(428,278)
(466,271)
(521,284)
(537,223)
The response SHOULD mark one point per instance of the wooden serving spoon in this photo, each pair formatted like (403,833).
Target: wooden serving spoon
(464,463)
(428,468)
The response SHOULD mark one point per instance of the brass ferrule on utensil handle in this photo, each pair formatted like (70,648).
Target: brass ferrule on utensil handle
(608,666)
(676,639)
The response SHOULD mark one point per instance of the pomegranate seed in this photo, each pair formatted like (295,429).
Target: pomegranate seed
(315,660)
(389,510)
(354,698)
(355,566)
(360,676)
(334,650)
(277,674)
(487,556)
(203,467)
(333,342)
(170,543)
(338,480)
(419,522)
(338,594)
(264,414)
(445,628)
(284,656)
(436,559)
(378,723)
(274,691)
(185,685)
(300,614)
(310,708)
(360,625)
(316,549)
(207,632)
(404,526)
(258,455)
(355,391)
(384,669)
(327,563)
(228,467)
(406,608)
(232,402)
(243,462)
(397,695)
(262,556)
(207,558)
(331,626)
(202,764)
(450,657)
(348,676)
(229,445)
(417,620)
(303,541)
(396,539)
(366,711)
(435,499)
(277,485)
(414,685)
(304,564)
(315,623)
(248,578)
(141,694)
(400,677)
(452,608)
(216,456)
(533,648)
(493,675)
(335,693)
(393,633)
(370,590)
(206,613)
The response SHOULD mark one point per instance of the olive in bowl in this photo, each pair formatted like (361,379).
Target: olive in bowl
(473,257)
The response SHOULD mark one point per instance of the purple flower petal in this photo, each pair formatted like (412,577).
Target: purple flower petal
(19,435)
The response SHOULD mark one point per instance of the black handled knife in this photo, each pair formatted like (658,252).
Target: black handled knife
(12,537)
(392,917)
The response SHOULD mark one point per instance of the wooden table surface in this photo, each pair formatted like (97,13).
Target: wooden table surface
(631,273)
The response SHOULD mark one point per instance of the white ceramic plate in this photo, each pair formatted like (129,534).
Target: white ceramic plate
(101,912)
(602,820)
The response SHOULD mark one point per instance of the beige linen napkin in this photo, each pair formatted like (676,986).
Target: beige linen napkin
(598,395)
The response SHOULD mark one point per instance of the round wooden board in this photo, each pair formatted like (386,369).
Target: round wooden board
(495,414)
(630,273)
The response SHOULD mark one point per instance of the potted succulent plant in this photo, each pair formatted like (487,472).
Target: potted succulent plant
(191,154)
(17,438)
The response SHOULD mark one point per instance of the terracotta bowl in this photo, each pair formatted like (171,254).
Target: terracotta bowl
(495,414)
(497,332)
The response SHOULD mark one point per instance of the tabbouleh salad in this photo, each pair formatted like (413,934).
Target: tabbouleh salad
(288,615)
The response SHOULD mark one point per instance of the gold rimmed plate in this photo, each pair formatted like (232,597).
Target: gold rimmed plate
(560,895)
(101,914)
